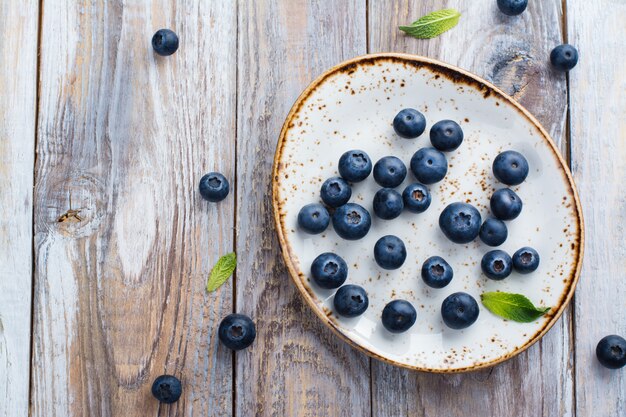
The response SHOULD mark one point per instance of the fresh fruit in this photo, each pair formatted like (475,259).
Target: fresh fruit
(398,316)
(313,218)
(496,264)
(564,57)
(167,389)
(355,165)
(611,351)
(214,187)
(510,167)
(416,198)
(525,260)
(237,331)
(335,192)
(350,301)
(165,42)
(436,272)
(505,204)
(429,165)
(512,7)
(460,222)
(493,232)
(390,252)
(329,270)
(459,310)
(388,203)
(446,135)
(409,123)
(389,171)
(351,221)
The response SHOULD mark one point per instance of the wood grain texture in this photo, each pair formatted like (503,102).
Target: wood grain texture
(127,134)
(511,52)
(598,154)
(296,367)
(18,89)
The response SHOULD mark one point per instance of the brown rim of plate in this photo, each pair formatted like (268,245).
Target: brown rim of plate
(457,75)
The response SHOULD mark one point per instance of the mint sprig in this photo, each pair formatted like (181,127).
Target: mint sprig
(222,270)
(515,307)
(433,24)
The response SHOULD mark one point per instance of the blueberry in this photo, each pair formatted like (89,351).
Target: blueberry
(335,192)
(214,187)
(167,389)
(429,165)
(390,252)
(496,264)
(313,218)
(611,351)
(164,42)
(493,232)
(350,301)
(510,168)
(460,222)
(526,260)
(446,135)
(564,57)
(351,221)
(459,310)
(512,7)
(388,203)
(398,316)
(355,165)
(416,198)
(505,204)
(389,171)
(409,123)
(237,331)
(329,270)
(436,272)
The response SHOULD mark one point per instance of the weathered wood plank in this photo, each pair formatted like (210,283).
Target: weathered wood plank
(18,87)
(513,54)
(296,366)
(127,134)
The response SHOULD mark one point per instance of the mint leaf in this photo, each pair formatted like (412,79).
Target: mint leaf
(222,270)
(433,24)
(514,307)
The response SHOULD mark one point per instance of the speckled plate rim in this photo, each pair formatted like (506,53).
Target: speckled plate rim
(457,75)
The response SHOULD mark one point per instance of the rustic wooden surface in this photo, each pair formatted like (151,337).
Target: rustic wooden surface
(118,296)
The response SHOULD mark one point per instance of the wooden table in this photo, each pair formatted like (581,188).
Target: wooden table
(93,308)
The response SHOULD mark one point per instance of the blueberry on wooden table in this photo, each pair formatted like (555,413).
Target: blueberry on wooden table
(329,270)
(237,331)
(389,171)
(525,260)
(564,57)
(399,316)
(510,168)
(388,204)
(355,165)
(459,310)
(436,272)
(496,265)
(313,218)
(350,301)
(446,135)
(389,252)
(335,192)
(460,222)
(611,351)
(351,221)
(214,187)
(167,389)
(416,198)
(409,123)
(512,7)
(505,204)
(165,42)
(429,165)
(493,232)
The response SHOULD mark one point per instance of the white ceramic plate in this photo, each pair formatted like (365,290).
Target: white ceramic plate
(352,107)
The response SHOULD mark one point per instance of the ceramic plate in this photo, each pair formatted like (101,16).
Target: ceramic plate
(352,106)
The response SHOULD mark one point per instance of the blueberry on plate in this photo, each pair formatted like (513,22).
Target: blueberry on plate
(335,192)
(493,232)
(237,331)
(460,222)
(510,167)
(512,7)
(351,221)
(564,57)
(505,204)
(611,351)
(409,123)
(390,252)
(436,272)
(167,389)
(389,171)
(350,301)
(429,165)
(388,203)
(496,264)
(525,260)
(213,187)
(416,198)
(398,316)
(355,165)
(165,42)
(313,218)
(459,310)
(329,270)
(446,135)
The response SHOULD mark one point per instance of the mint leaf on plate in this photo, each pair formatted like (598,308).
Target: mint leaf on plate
(433,24)
(222,270)
(515,307)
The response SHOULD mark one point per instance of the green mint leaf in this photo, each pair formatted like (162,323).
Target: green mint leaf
(222,270)
(513,307)
(433,24)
